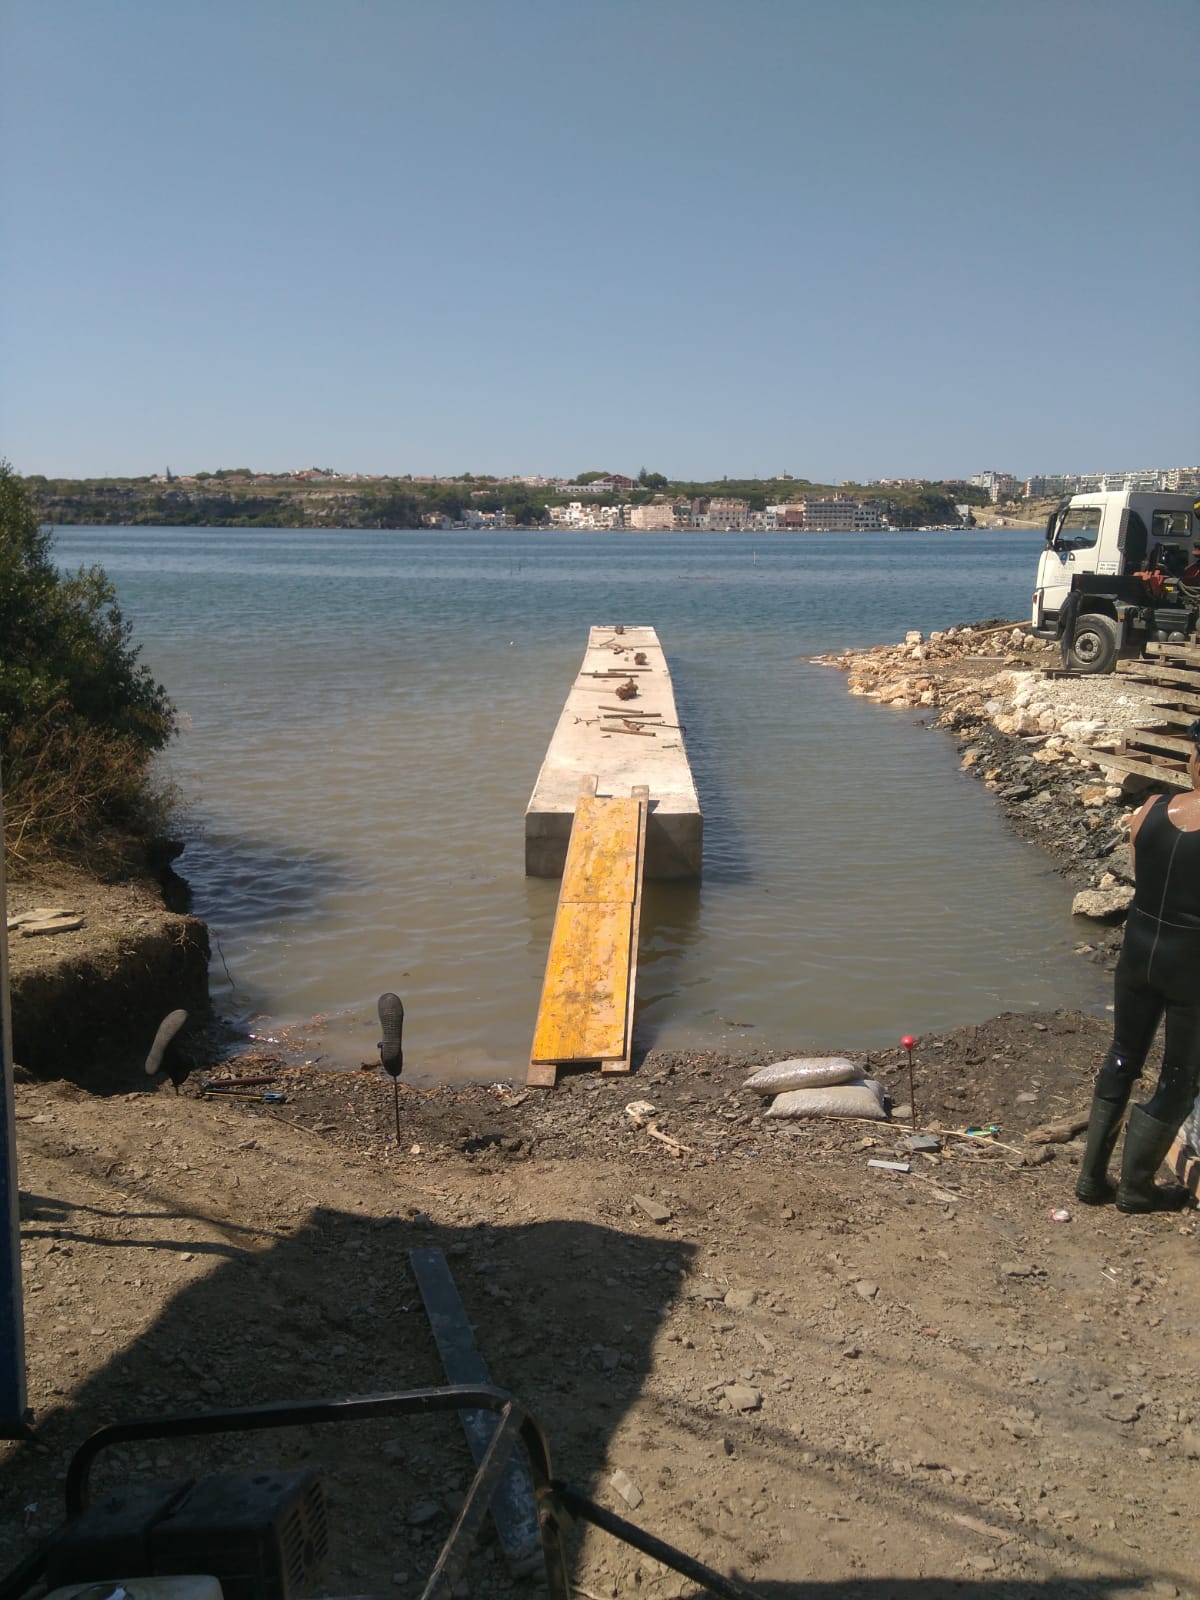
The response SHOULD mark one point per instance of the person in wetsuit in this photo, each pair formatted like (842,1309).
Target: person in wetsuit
(1157,977)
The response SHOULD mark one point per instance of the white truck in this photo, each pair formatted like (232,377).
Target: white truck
(1118,570)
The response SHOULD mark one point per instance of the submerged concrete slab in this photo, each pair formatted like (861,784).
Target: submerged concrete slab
(621,743)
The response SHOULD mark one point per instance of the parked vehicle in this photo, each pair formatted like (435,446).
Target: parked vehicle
(1119,569)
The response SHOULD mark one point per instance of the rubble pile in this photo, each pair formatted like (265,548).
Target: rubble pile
(942,668)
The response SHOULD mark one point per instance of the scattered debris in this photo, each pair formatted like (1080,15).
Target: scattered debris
(1058,1132)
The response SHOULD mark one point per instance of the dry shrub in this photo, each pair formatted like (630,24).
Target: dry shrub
(73,792)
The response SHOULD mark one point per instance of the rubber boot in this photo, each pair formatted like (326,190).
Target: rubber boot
(1146,1144)
(1104,1123)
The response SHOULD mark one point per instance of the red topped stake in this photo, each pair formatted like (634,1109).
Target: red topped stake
(907,1043)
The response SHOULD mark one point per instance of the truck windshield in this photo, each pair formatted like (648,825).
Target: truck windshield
(1079,528)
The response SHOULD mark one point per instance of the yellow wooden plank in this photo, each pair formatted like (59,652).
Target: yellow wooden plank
(601,862)
(586,988)
(641,795)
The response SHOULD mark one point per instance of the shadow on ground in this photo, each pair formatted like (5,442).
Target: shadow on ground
(566,1315)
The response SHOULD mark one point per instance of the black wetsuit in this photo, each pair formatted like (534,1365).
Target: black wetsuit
(1159,970)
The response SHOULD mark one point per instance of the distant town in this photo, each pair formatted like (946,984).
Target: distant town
(592,501)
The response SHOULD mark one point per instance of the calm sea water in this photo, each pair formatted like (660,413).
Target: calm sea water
(367,713)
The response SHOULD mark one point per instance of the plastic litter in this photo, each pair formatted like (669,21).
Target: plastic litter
(801,1072)
(268,1097)
(1059,1214)
(861,1099)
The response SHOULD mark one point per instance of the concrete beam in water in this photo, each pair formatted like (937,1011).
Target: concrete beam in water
(615,740)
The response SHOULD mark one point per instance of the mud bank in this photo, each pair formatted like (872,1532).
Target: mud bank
(86,1001)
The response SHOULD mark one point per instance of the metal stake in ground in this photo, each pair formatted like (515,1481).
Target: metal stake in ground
(907,1043)
(391,1053)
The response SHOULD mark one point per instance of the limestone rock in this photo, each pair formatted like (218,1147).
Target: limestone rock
(1102,905)
(627,1489)
(741,1397)
(656,1212)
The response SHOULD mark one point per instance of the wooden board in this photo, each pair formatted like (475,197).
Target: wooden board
(1157,771)
(584,994)
(1157,743)
(1180,713)
(586,1010)
(640,794)
(602,854)
(1151,672)
(1177,652)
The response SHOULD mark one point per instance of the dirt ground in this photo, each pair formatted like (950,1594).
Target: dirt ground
(817,1375)
(812,1372)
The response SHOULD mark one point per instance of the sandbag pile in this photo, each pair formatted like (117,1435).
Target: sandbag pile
(818,1086)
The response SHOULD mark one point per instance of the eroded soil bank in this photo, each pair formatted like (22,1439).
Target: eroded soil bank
(810,1371)
(87,999)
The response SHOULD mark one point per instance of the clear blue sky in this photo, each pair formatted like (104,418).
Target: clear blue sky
(840,238)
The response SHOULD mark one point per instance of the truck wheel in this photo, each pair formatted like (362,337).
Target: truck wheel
(1092,645)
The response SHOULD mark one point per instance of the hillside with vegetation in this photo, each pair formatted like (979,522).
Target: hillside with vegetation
(239,497)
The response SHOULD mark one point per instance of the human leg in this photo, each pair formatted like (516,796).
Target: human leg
(1137,1010)
(1153,1126)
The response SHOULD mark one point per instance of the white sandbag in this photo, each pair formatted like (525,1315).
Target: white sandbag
(863,1098)
(801,1072)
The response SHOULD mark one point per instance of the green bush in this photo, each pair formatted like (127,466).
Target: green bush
(80,716)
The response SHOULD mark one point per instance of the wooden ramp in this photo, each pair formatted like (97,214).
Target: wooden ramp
(586,1012)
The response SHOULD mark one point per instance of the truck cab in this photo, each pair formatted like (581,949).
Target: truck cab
(1114,570)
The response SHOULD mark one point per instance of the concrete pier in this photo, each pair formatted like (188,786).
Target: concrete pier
(622,743)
